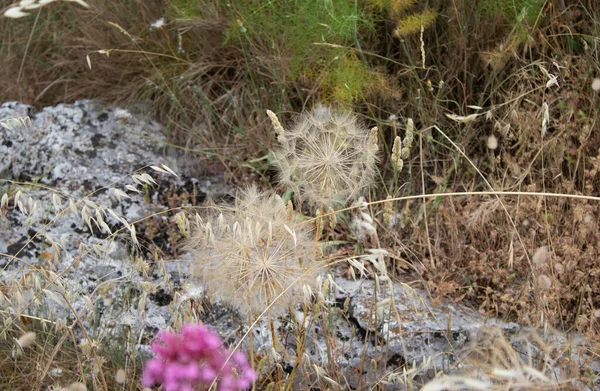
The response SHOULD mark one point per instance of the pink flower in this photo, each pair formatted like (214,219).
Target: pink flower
(193,360)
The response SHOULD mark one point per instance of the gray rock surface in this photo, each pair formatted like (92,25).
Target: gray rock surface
(78,157)
(72,158)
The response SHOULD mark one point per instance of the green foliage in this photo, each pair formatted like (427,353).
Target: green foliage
(297,27)
(393,6)
(188,10)
(413,23)
(310,36)
(517,12)
(349,79)
(183,8)
(520,16)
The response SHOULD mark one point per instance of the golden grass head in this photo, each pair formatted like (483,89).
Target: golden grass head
(252,256)
(327,158)
(397,161)
(415,22)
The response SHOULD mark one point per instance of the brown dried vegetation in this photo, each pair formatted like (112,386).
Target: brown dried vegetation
(469,76)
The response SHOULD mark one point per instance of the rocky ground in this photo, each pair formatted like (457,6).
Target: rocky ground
(75,188)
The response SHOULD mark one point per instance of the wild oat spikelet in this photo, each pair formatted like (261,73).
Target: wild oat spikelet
(17,10)
(327,157)
(251,253)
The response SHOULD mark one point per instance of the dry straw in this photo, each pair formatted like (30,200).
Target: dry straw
(528,360)
(327,158)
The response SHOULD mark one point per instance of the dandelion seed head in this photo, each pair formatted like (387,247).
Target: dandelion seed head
(327,157)
(255,257)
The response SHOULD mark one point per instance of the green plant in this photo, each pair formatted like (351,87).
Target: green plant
(522,15)
(295,28)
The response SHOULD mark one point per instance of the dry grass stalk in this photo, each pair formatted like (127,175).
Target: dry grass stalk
(530,360)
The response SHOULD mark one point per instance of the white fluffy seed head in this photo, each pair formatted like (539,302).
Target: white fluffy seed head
(540,256)
(159,23)
(492,142)
(26,340)
(121,376)
(77,386)
(596,84)
(544,282)
(257,257)
(327,157)
(559,268)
